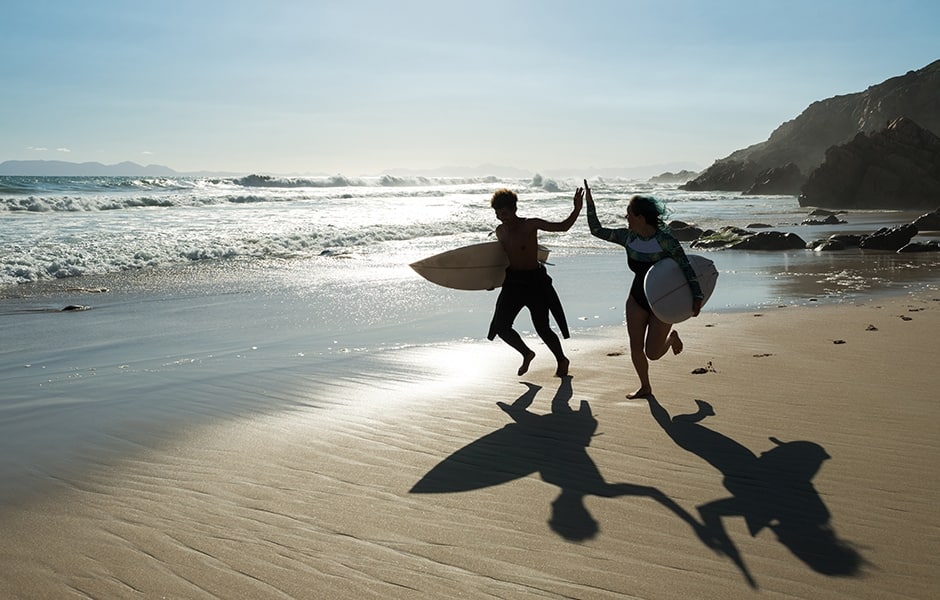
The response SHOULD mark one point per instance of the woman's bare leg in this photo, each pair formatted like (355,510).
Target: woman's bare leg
(637,321)
(660,338)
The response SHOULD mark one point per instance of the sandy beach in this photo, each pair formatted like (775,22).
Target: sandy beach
(433,471)
(234,364)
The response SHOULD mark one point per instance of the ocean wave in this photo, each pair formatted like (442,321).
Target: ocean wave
(77,194)
(39,204)
(111,202)
(139,223)
(294,182)
(386,180)
(93,254)
(24,185)
(61,194)
(76,185)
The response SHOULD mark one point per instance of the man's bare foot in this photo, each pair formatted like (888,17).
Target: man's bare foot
(643,392)
(562,370)
(675,342)
(525,363)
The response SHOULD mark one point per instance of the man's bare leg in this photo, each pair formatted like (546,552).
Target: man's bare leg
(562,370)
(526,359)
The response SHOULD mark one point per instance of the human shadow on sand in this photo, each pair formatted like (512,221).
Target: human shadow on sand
(555,446)
(773,490)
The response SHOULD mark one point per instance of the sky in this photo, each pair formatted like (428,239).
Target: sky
(358,87)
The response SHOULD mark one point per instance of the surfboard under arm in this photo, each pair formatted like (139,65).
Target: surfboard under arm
(475,267)
(668,291)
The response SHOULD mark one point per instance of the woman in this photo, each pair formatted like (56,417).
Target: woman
(646,240)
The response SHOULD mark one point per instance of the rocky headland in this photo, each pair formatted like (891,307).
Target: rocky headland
(789,158)
(682,176)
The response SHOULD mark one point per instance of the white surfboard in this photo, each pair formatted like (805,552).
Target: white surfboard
(476,267)
(668,291)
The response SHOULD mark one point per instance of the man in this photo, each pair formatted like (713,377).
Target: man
(527,283)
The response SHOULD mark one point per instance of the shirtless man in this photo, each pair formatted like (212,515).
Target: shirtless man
(527,283)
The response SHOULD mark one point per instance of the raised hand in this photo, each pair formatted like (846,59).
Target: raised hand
(578,198)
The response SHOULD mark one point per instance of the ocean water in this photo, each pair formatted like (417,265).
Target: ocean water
(340,248)
(209,299)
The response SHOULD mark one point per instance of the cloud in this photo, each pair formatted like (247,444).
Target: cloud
(62,150)
(36,148)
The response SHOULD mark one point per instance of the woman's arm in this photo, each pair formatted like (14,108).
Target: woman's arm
(617,236)
(672,247)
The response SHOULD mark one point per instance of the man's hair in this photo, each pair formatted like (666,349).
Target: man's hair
(503,198)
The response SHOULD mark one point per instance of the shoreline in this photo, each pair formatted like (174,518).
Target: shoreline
(324,491)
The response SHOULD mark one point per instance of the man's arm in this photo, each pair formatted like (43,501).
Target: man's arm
(567,223)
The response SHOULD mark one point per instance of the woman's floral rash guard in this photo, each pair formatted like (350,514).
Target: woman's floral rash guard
(643,253)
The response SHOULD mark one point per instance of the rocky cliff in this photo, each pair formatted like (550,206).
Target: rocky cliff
(804,140)
(898,167)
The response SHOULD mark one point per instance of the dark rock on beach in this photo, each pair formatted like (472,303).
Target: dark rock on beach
(889,238)
(920,247)
(685,232)
(928,222)
(826,245)
(725,237)
(850,240)
(830,220)
(839,241)
(734,238)
(896,168)
(771,240)
(894,239)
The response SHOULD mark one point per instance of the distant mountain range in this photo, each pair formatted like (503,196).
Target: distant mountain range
(49,168)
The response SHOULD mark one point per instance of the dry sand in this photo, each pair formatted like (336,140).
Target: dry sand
(418,485)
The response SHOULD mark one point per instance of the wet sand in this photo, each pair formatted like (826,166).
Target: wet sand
(433,471)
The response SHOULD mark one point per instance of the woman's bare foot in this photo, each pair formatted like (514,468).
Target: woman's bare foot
(643,392)
(526,359)
(676,342)
(562,370)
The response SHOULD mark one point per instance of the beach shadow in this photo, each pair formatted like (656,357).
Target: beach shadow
(553,445)
(772,490)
